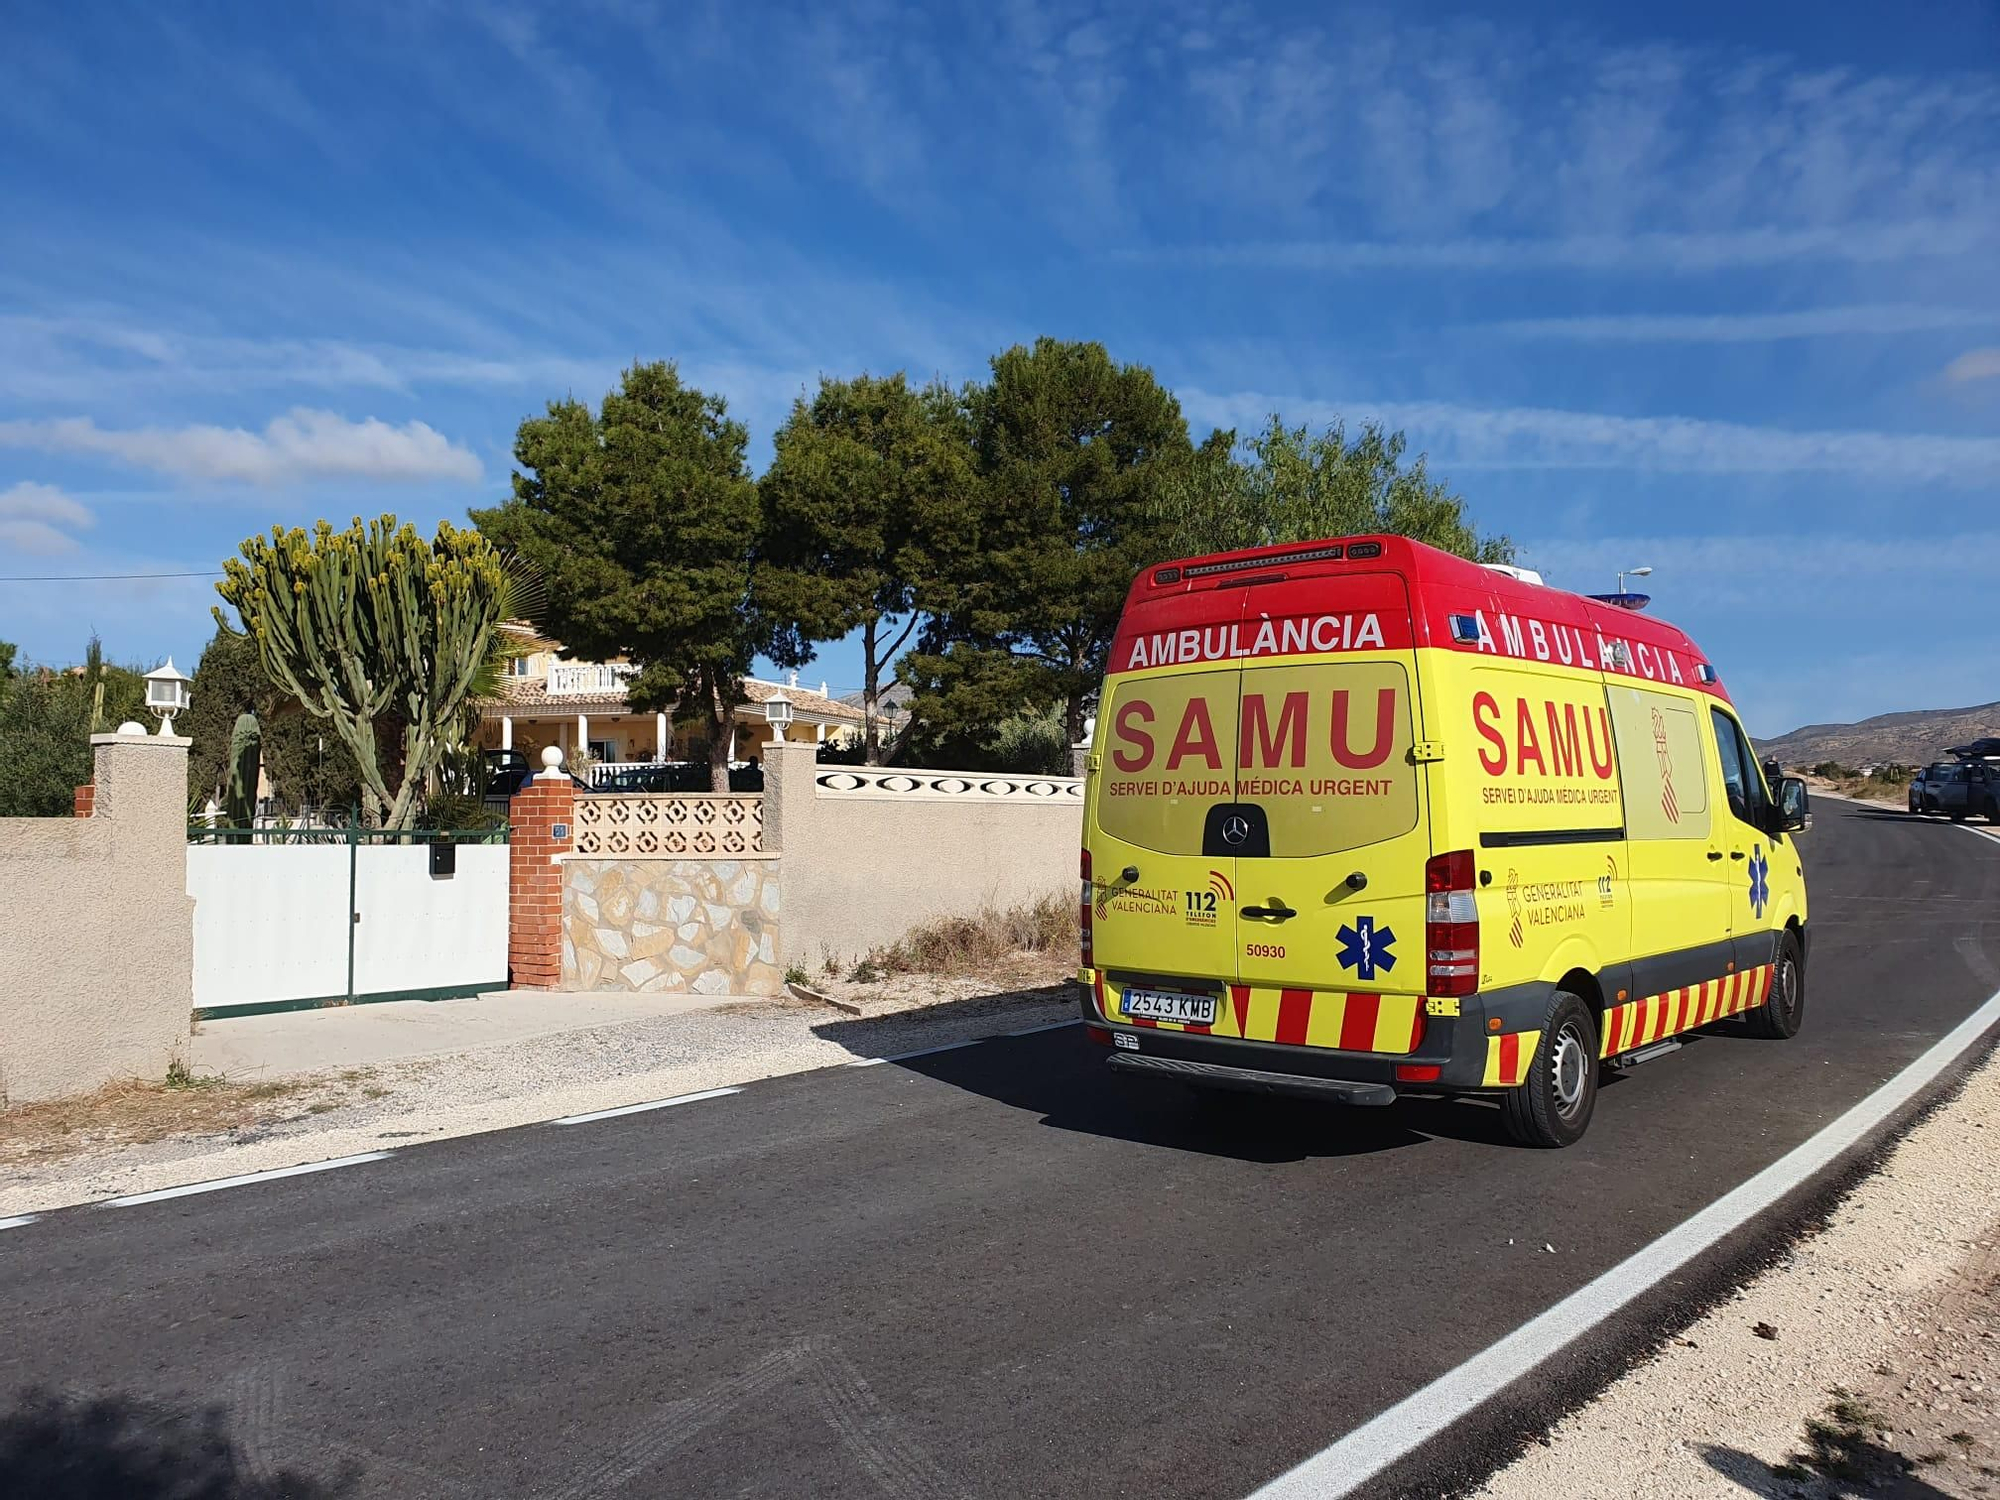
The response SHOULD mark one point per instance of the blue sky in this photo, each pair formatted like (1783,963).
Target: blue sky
(1711,289)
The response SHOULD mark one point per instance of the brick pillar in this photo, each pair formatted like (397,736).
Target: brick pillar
(86,799)
(542,814)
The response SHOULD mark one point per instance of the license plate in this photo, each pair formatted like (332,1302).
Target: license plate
(1170,1005)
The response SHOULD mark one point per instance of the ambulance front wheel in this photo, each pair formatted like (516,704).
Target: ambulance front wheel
(1552,1107)
(1784,1009)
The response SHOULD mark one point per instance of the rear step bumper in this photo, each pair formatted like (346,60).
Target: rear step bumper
(1253,1080)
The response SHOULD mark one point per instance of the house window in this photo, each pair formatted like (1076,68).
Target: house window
(517,666)
(603,750)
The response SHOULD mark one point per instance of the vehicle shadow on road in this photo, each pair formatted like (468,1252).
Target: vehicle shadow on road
(1855,1466)
(1064,1079)
(62,1446)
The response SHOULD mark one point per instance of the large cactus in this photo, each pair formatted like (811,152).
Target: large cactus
(372,623)
(246,757)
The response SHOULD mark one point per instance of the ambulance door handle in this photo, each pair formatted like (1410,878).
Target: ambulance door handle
(1735,853)
(1715,854)
(1277,911)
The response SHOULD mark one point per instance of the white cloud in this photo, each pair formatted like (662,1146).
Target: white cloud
(1745,328)
(303,444)
(1776,570)
(1527,437)
(32,518)
(1470,146)
(1714,250)
(1806,626)
(1974,364)
(68,359)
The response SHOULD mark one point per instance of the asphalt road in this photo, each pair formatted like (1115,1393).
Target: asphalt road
(992,1271)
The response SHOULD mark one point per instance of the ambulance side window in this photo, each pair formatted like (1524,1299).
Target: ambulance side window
(1747,798)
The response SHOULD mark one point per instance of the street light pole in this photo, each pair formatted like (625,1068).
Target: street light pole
(1645,572)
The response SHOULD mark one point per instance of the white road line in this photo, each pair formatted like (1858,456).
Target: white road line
(18,1220)
(1417,1418)
(869,1062)
(635,1109)
(876,1062)
(135,1199)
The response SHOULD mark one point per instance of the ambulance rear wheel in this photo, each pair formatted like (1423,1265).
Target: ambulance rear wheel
(1552,1107)
(1784,1009)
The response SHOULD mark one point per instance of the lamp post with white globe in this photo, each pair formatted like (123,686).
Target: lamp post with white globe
(167,693)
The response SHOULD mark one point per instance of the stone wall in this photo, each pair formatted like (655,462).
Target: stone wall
(709,926)
(97,940)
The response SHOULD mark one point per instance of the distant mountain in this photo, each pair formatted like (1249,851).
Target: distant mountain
(893,698)
(1913,739)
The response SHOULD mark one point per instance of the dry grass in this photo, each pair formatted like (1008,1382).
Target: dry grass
(121,1114)
(988,940)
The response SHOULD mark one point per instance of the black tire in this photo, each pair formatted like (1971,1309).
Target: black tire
(1784,1009)
(1960,817)
(1552,1107)
(1993,812)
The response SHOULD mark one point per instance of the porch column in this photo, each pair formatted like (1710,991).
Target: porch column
(659,737)
(506,731)
(582,735)
(819,734)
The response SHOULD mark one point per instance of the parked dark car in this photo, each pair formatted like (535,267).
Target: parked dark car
(1969,789)
(641,779)
(680,776)
(1924,785)
(502,785)
(504,760)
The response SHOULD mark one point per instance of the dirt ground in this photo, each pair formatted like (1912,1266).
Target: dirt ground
(1867,1363)
(70,1135)
(136,1112)
(880,993)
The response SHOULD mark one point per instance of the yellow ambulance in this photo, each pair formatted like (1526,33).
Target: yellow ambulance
(1363,819)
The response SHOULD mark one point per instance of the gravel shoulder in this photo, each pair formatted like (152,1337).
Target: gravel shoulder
(538,1079)
(1865,1363)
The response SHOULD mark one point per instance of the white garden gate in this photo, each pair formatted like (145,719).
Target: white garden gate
(304,918)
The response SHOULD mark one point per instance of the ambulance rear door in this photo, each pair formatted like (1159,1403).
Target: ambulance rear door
(1330,803)
(1163,880)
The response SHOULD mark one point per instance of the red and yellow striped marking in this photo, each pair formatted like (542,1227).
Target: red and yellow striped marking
(1639,1022)
(1508,1057)
(1299,1018)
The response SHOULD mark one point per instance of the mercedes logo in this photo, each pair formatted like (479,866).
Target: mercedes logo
(1235,829)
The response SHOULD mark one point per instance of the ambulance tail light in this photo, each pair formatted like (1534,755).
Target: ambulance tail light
(1451,924)
(1083,913)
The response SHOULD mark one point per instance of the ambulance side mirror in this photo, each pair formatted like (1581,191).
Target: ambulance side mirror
(1794,811)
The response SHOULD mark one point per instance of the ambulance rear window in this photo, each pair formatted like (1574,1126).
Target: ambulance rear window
(1322,746)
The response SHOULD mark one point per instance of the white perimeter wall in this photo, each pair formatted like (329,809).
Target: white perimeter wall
(271,921)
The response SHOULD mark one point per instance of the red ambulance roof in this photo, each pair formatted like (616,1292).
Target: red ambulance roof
(1207,608)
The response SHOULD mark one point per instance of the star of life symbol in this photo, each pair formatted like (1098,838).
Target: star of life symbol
(1760,886)
(1365,950)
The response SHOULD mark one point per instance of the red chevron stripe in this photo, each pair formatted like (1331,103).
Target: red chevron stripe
(1357,1023)
(1294,1013)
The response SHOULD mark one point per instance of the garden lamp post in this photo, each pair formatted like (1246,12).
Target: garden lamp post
(167,693)
(778,712)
